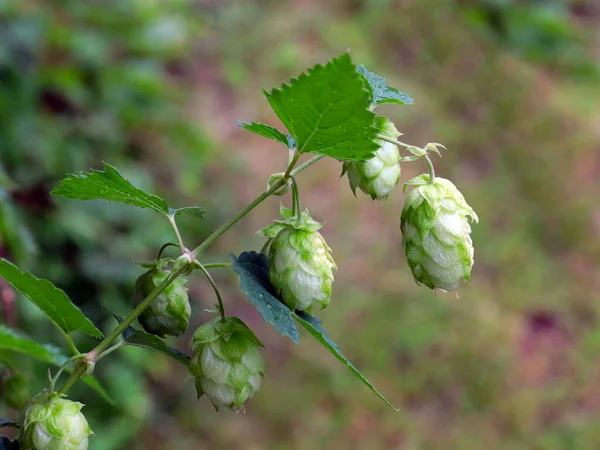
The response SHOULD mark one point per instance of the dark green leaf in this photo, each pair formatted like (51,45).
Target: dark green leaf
(327,111)
(108,185)
(15,341)
(253,270)
(265,131)
(8,423)
(315,327)
(195,211)
(142,339)
(53,301)
(380,91)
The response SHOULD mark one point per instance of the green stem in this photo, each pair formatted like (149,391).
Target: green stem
(295,198)
(217,265)
(54,379)
(174,225)
(215,288)
(393,141)
(163,248)
(114,334)
(431,170)
(71,344)
(257,201)
(109,350)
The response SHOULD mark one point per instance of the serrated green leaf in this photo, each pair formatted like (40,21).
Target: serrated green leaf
(195,211)
(53,301)
(266,131)
(380,91)
(16,341)
(326,110)
(315,328)
(253,270)
(109,185)
(139,338)
(8,423)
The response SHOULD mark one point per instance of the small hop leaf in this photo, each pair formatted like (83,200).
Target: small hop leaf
(380,91)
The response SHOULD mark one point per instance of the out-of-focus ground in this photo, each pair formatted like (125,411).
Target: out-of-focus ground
(510,88)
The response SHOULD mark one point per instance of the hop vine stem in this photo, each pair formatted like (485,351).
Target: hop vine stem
(254,203)
(431,169)
(114,334)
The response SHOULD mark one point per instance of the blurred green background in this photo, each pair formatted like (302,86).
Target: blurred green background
(155,87)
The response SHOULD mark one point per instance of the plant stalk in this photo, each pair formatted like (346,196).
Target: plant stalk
(114,334)
(431,169)
(257,201)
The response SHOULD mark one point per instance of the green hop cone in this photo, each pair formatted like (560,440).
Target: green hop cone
(436,233)
(379,175)
(227,362)
(54,423)
(15,391)
(169,313)
(300,261)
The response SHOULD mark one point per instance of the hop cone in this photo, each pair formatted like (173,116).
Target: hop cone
(170,312)
(379,175)
(227,362)
(15,391)
(436,233)
(300,262)
(54,423)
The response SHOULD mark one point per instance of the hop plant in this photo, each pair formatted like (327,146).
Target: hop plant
(227,362)
(169,313)
(379,175)
(54,423)
(15,391)
(436,233)
(300,261)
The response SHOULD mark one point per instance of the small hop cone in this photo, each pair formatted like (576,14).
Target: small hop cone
(15,391)
(436,234)
(169,314)
(379,175)
(300,261)
(53,423)
(227,362)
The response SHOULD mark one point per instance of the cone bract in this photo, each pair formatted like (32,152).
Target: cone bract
(436,234)
(169,313)
(227,362)
(379,175)
(54,423)
(300,261)
(15,391)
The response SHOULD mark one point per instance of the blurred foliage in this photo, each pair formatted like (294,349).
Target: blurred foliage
(510,87)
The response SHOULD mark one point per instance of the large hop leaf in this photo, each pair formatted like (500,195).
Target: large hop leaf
(436,233)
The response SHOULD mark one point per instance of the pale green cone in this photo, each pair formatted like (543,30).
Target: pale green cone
(379,175)
(436,233)
(227,362)
(300,261)
(54,423)
(169,313)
